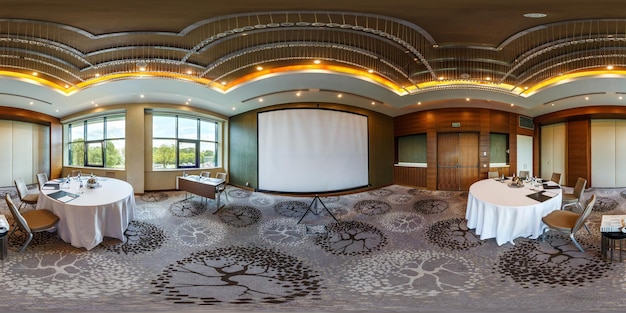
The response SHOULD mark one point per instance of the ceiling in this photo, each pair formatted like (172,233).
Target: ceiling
(395,57)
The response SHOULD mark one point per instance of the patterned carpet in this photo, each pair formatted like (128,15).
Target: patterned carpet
(395,249)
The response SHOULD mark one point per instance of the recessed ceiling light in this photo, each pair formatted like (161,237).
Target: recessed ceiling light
(234,108)
(467,99)
(35,73)
(317,61)
(259,68)
(31,103)
(223,83)
(260,99)
(141,96)
(370,71)
(339,95)
(298,94)
(189,72)
(512,104)
(610,67)
(586,98)
(620,97)
(535,15)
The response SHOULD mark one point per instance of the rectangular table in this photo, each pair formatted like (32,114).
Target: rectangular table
(202,186)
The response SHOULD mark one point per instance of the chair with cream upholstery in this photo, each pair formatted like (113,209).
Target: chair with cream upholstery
(524,174)
(556,177)
(568,222)
(493,175)
(75,173)
(222,188)
(42,179)
(31,222)
(205,174)
(575,198)
(26,197)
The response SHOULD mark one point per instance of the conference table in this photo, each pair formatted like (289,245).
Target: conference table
(206,187)
(87,215)
(497,210)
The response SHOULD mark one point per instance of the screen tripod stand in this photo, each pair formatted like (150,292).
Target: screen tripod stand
(314,209)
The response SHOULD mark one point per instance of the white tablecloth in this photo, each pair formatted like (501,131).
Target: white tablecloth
(498,211)
(103,211)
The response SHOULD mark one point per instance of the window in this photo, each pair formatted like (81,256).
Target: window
(183,142)
(412,149)
(97,142)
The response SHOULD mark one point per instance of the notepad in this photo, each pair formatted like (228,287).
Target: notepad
(63,196)
(541,196)
(546,186)
(51,186)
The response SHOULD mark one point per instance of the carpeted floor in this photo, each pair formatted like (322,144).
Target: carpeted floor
(395,249)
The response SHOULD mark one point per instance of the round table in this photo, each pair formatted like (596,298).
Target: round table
(97,212)
(497,210)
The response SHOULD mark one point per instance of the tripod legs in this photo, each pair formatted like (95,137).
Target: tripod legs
(316,212)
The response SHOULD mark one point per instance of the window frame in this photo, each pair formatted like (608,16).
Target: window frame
(84,123)
(198,142)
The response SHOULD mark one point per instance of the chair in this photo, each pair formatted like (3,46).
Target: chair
(31,222)
(556,177)
(109,174)
(75,173)
(205,174)
(493,175)
(25,196)
(568,222)
(575,198)
(524,174)
(222,188)
(42,179)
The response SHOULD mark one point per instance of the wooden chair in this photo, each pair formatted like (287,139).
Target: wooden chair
(568,222)
(31,222)
(26,197)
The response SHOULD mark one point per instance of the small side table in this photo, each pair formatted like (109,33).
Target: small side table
(612,242)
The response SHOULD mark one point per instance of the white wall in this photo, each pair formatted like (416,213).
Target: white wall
(608,153)
(525,154)
(553,150)
(25,152)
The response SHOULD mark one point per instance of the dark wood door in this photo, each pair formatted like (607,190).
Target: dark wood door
(457,160)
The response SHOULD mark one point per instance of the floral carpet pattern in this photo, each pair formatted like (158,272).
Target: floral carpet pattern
(394,249)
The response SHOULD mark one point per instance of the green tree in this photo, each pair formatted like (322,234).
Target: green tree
(77,153)
(164,155)
(113,156)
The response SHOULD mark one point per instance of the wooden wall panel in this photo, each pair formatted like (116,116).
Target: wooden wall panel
(578,151)
(482,121)
(410,176)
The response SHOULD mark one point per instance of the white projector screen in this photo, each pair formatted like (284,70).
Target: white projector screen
(312,150)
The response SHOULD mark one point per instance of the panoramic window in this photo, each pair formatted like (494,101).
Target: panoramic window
(97,142)
(183,142)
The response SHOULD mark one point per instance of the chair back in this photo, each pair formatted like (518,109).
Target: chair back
(20,185)
(580,188)
(584,215)
(556,177)
(205,174)
(493,175)
(524,174)
(221,176)
(75,173)
(19,219)
(42,179)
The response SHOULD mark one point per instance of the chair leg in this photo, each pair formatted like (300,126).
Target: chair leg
(587,228)
(30,237)
(543,235)
(571,236)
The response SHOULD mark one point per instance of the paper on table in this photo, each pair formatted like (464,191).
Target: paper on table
(549,194)
(66,198)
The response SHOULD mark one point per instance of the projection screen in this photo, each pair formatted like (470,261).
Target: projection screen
(312,150)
